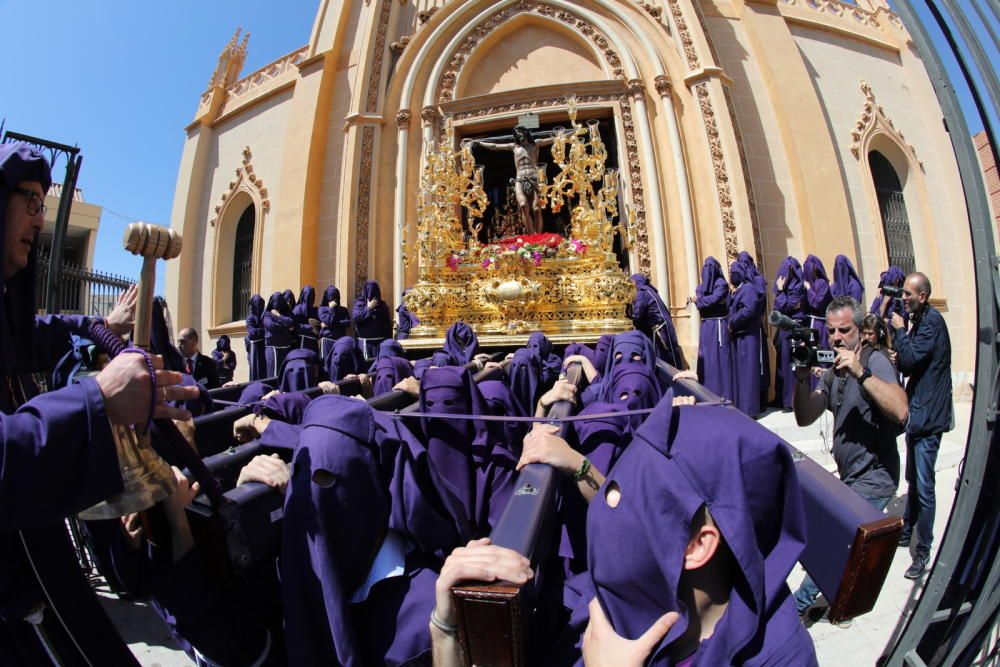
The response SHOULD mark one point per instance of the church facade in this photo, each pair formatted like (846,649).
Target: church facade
(780,127)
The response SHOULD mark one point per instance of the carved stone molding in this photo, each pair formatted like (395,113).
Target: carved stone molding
(636,88)
(378,56)
(446,85)
(653,10)
(684,35)
(425,15)
(428,115)
(722,186)
(398,47)
(403,118)
(662,85)
(245,179)
(873,120)
(628,133)
(364,207)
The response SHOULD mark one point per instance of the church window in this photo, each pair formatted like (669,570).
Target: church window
(892,208)
(243,263)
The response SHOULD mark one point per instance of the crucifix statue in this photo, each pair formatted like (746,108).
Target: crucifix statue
(525,150)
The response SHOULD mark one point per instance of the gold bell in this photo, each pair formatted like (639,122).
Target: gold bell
(146,477)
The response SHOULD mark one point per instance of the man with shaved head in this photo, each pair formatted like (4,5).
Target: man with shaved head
(924,356)
(196,364)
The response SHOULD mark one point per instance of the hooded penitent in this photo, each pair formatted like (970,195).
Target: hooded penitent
(225,359)
(278,332)
(623,347)
(818,296)
(303,312)
(525,379)
(460,341)
(254,342)
(652,317)
(636,548)
(756,278)
(891,277)
(744,324)
(344,359)
(846,281)
(371,323)
(334,319)
(714,354)
(388,372)
(541,346)
(789,300)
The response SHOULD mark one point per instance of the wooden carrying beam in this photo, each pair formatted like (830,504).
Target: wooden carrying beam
(491,617)
(849,553)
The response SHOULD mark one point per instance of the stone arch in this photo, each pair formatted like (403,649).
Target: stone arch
(244,191)
(875,131)
(539,42)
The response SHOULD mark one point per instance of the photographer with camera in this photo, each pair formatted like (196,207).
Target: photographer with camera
(924,356)
(868,405)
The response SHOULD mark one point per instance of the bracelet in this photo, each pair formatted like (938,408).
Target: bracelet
(442,626)
(584,469)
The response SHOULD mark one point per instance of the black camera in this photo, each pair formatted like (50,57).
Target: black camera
(806,352)
(891,292)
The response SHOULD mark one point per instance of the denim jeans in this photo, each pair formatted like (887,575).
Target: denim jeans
(921,455)
(808,590)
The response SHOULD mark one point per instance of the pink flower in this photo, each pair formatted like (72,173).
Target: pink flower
(453,263)
(486,263)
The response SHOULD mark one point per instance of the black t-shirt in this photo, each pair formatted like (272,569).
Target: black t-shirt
(864,440)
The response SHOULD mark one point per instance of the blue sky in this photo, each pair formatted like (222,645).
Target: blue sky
(121,79)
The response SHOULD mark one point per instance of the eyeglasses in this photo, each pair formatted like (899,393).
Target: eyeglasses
(35,203)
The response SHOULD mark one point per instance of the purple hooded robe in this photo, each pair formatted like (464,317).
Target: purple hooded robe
(407,320)
(714,353)
(461,342)
(333,320)
(636,549)
(225,359)
(652,317)
(305,310)
(818,296)
(846,281)
(525,379)
(790,301)
(254,342)
(388,372)
(756,278)
(745,331)
(371,325)
(541,346)
(344,359)
(891,277)
(278,330)
(57,457)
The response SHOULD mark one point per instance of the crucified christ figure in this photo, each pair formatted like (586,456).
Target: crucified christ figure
(525,150)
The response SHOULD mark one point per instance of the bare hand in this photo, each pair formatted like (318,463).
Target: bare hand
(410,385)
(682,400)
(134,531)
(848,360)
(273,392)
(126,388)
(182,496)
(562,390)
(122,317)
(805,283)
(270,470)
(603,646)
(780,282)
(686,375)
(328,387)
(893,357)
(477,561)
(249,427)
(372,303)
(897,321)
(542,445)
(588,366)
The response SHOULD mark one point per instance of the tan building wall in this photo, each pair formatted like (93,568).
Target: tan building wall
(740,125)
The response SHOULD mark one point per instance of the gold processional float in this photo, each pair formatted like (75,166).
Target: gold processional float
(570,288)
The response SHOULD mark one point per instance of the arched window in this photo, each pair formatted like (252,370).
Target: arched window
(243,263)
(892,207)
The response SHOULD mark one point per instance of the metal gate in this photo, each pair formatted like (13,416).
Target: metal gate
(892,207)
(243,264)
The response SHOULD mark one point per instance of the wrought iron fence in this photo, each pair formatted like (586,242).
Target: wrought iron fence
(81,291)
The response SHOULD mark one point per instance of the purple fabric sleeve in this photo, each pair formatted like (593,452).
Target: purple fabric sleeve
(52,339)
(58,456)
(720,290)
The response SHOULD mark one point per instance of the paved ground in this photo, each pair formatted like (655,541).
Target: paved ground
(860,644)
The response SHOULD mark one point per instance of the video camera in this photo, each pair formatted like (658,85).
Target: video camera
(806,352)
(891,291)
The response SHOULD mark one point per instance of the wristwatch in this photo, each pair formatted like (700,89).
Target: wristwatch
(865,374)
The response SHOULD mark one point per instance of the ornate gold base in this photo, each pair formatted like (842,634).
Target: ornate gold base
(581,297)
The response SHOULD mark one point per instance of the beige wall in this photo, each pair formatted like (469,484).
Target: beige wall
(793,73)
